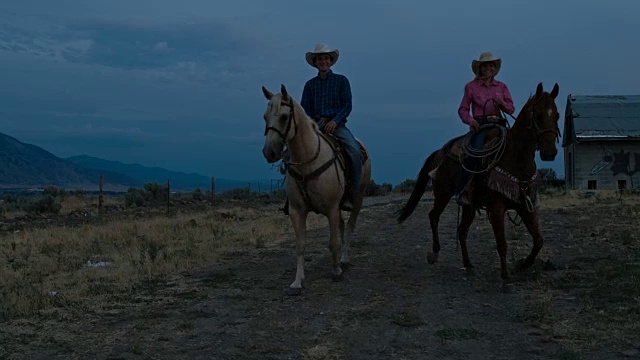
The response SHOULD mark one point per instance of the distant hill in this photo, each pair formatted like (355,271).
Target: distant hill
(25,165)
(144,174)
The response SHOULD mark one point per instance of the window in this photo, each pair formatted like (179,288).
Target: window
(592,184)
(622,184)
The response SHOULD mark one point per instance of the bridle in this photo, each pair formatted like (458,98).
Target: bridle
(292,120)
(537,132)
(301,177)
(283,135)
(536,127)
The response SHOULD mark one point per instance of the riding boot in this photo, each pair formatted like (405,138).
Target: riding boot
(462,195)
(349,198)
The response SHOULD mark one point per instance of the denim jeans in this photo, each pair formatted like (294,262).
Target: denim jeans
(352,148)
(477,141)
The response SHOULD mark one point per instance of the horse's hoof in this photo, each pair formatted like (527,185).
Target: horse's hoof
(523,264)
(432,257)
(337,278)
(294,291)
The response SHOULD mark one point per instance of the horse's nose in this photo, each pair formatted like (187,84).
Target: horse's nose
(268,154)
(549,155)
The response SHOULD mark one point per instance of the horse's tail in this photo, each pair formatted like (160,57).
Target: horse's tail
(421,185)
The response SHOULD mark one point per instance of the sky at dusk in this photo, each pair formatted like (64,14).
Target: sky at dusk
(176,84)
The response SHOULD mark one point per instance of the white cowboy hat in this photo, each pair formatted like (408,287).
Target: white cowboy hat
(485,57)
(322,48)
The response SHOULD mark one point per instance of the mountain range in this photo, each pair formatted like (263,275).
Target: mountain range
(29,166)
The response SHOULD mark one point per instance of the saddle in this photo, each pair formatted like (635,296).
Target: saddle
(454,148)
(342,157)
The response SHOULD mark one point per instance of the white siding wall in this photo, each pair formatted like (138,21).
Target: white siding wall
(597,161)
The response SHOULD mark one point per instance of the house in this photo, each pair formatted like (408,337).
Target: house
(602,142)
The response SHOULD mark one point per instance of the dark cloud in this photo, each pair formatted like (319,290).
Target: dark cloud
(121,79)
(138,44)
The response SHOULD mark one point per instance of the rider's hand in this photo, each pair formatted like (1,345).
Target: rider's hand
(330,127)
(474,126)
(498,100)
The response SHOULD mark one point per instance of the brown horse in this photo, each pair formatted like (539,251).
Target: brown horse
(510,184)
(316,178)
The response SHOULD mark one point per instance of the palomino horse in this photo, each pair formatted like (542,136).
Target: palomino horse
(510,184)
(316,178)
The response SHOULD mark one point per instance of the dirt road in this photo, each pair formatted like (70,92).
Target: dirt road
(391,304)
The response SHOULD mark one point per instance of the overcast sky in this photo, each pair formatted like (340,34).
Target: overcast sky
(176,84)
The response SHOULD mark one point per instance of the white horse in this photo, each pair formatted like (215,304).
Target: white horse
(315,177)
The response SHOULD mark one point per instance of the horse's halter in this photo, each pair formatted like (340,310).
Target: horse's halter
(292,120)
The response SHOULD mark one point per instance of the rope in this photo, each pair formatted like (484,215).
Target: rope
(494,151)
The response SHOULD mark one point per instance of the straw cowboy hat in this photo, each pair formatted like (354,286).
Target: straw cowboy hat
(322,48)
(485,57)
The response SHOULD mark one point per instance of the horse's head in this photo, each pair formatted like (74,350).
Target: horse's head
(544,121)
(280,125)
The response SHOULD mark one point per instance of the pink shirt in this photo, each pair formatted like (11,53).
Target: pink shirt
(476,94)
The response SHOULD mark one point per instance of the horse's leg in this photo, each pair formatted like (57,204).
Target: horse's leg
(439,204)
(344,249)
(468,214)
(530,220)
(334,242)
(351,226)
(299,220)
(496,212)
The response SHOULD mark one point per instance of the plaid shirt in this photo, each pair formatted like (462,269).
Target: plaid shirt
(329,97)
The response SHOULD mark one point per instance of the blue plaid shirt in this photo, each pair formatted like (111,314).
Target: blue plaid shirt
(329,97)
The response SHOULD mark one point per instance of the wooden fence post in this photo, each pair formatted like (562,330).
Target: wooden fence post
(168,195)
(100,197)
(213,189)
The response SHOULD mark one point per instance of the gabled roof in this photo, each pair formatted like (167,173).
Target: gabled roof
(601,117)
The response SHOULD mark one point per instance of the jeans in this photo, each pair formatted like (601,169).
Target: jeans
(477,141)
(352,148)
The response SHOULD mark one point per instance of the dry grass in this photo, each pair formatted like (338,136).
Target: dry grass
(593,300)
(72,203)
(556,199)
(58,266)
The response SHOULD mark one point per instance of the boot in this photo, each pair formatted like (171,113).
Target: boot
(285,209)
(464,197)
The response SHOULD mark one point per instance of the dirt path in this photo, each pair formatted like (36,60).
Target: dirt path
(392,304)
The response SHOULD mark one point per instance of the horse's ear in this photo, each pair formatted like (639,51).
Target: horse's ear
(283,91)
(539,90)
(268,94)
(555,91)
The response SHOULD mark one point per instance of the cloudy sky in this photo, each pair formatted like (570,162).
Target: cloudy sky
(176,84)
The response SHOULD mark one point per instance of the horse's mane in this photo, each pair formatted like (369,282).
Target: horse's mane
(298,111)
(302,115)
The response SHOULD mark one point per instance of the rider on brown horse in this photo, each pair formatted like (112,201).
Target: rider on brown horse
(485,97)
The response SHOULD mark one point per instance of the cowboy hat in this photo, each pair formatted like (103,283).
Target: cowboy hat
(485,57)
(322,48)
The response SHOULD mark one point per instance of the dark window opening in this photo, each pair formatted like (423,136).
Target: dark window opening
(592,184)
(622,184)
